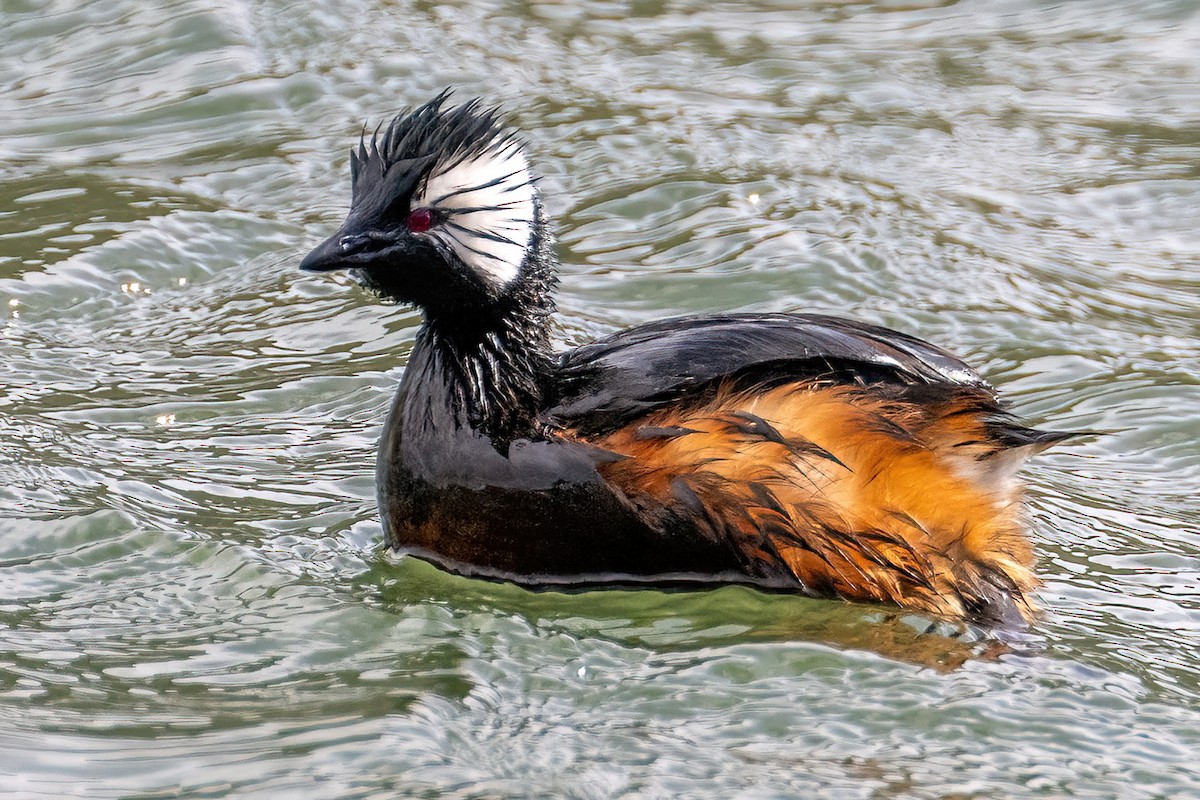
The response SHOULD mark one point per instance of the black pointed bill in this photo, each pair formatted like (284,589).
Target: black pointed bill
(336,252)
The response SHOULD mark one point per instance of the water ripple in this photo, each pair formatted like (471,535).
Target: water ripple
(193,598)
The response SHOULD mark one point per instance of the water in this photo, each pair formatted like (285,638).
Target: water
(193,597)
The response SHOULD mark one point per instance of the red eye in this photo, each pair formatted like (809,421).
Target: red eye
(420,220)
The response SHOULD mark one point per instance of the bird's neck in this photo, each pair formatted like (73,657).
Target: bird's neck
(491,366)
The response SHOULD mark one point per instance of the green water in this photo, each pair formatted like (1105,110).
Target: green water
(194,601)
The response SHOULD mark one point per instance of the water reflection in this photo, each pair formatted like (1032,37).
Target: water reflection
(680,621)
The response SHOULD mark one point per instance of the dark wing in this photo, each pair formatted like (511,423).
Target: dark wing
(603,385)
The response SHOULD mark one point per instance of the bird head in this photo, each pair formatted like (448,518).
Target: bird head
(444,213)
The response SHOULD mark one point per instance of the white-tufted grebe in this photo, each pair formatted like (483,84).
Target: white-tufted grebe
(789,451)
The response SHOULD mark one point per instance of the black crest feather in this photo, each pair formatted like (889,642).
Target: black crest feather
(417,140)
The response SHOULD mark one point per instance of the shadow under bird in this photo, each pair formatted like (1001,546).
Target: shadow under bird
(794,452)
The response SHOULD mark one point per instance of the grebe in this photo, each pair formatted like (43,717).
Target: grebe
(793,452)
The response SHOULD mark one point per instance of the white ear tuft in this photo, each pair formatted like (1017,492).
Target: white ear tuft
(487,203)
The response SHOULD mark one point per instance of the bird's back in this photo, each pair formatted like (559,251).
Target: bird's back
(858,461)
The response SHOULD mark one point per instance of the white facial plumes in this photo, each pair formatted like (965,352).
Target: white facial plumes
(487,206)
